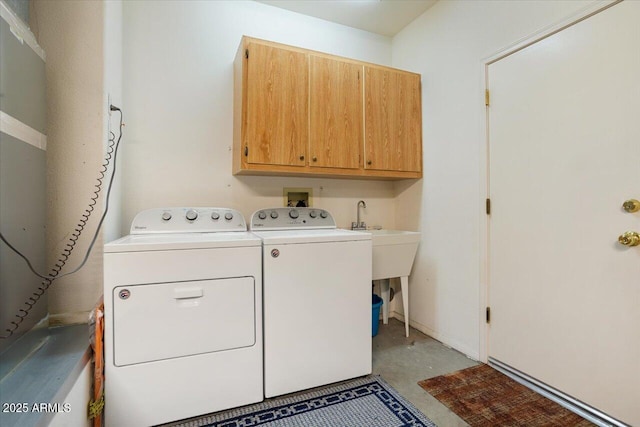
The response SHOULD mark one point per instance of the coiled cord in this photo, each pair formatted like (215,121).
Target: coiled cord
(54,274)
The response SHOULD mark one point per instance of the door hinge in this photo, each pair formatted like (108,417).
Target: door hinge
(488,314)
(488,206)
(246,151)
(246,53)
(487,97)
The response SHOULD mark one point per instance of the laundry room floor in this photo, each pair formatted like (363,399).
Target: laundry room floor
(402,362)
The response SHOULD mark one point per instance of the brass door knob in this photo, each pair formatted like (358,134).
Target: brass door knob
(630,238)
(631,205)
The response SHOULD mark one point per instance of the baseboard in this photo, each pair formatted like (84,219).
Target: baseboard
(588,412)
(471,353)
(63,319)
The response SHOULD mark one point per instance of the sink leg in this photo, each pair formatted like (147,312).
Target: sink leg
(384,290)
(404,282)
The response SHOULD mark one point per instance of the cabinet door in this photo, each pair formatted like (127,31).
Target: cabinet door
(277,90)
(336,120)
(393,121)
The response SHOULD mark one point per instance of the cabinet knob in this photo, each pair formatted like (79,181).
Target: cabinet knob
(369,162)
(301,157)
(631,205)
(630,238)
(315,159)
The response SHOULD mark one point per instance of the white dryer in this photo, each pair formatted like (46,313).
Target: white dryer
(317,299)
(183,317)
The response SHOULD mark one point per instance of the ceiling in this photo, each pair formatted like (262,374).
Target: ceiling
(385,17)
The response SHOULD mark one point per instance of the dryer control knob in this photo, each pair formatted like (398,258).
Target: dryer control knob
(274,214)
(215,216)
(228,216)
(191,215)
(166,216)
(293,214)
(324,214)
(262,215)
(313,214)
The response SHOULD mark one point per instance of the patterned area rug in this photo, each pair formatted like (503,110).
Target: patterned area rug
(482,396)
(364,402)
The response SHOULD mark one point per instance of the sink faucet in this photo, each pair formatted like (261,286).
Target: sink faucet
(358,225)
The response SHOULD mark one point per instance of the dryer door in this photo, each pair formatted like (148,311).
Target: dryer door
(167,320)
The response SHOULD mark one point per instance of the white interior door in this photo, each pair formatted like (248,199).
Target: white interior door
(564,142)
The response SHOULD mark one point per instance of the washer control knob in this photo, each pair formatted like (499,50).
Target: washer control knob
(262,215)
(324,214)
(274,214)
(293,214)
(166,216)
(228,216)
(192,215)
(215,216)
(313,214)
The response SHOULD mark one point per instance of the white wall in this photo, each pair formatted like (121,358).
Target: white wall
(112,94)
(447,45)
(71,33)
(178,106)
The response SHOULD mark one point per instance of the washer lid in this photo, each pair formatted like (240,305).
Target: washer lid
(178,241)
(311,236)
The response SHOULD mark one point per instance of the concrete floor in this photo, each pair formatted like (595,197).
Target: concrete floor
(402,362)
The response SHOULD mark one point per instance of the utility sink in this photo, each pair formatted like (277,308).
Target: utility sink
(393,255)
(393,252)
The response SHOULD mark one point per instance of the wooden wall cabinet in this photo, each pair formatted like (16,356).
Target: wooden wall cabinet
(276,109)
(393,120)
(304,113)
(335,108)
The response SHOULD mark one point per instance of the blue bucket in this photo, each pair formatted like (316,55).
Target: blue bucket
(375,314)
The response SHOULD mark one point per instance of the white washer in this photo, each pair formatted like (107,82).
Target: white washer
(183,317)
(317,299)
